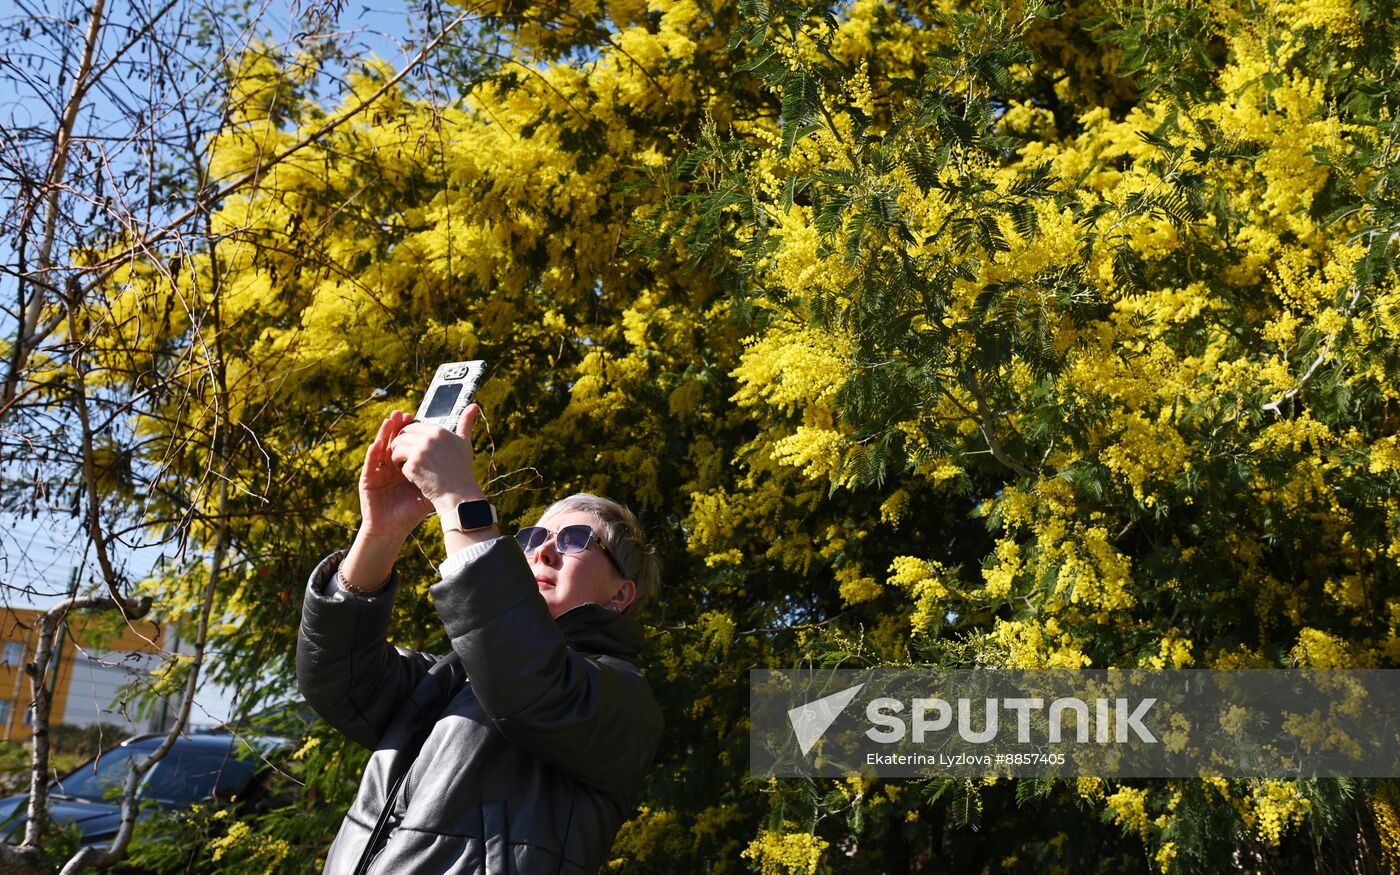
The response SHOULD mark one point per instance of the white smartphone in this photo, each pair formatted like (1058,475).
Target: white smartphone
(453,387)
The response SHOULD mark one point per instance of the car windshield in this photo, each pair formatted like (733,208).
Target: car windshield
(185,775)
(93,780)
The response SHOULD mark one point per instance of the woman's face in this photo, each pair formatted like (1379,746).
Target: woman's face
(567,580)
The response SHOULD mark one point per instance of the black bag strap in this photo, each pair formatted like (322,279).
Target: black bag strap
(377,834)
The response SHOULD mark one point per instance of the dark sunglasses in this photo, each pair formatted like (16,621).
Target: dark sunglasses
(570,539)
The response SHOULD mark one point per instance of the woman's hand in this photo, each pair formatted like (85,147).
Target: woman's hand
(410,468)
(439,462)
(391,506)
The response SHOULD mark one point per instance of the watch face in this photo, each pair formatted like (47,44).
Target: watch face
(475,515)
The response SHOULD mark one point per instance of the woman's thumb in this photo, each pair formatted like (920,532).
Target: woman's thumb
(464,425)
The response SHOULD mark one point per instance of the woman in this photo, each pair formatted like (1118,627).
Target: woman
(525,748)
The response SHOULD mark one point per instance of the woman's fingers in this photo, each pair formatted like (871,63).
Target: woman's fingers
(401,446)
(436,460)
(378,448)
(371,459)
(397,421)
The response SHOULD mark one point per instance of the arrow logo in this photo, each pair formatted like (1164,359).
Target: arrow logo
(812,719)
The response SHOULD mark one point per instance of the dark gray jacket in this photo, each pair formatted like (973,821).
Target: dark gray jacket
(525,749)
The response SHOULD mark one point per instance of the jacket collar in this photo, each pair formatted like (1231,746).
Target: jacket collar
(596,630)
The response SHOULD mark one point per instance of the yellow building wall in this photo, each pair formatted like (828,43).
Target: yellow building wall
(19,636)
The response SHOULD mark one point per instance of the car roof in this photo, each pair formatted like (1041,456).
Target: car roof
(212,741)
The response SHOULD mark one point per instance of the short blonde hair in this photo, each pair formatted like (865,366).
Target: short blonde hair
(624,537)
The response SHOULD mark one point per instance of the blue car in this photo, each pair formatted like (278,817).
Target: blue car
(197,768)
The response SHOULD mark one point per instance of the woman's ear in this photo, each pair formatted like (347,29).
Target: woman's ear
(623,597)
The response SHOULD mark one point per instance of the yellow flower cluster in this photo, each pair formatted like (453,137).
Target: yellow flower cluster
(856,587)
(1381,802)
(1318,649)
(1174,651)
(255,850)
(1001,575)
(1277,806)
(1129,807)
(1088,569)
(795,367)
(716,630)
(1164,856)
(1336,18)
(817,451)
(894,507)
(1036,644)
(786,853)
(312,742)
(706,641)
(1385,455)
(650,833)
(1146,453)
(925,583)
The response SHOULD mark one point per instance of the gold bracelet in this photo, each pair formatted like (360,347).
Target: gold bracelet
(348,587)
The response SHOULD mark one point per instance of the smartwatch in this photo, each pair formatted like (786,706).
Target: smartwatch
(475,515)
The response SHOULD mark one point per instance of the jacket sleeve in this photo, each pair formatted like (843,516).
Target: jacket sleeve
(593,717)
(346,669)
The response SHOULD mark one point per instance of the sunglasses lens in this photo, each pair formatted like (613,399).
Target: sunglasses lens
(531,537)
(573,539)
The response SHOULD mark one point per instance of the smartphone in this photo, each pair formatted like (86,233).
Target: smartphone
(453,387)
